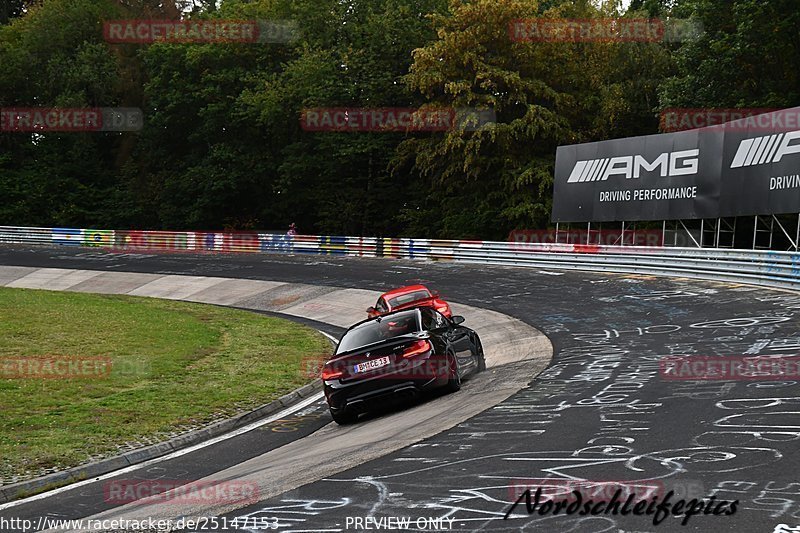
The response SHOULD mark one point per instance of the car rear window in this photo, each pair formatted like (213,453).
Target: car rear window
(380,330)
(408,298)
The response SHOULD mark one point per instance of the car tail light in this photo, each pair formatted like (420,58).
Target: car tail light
(328,372)
(417,348)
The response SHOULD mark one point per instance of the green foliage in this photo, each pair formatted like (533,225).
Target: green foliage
(10,9)
(222,145)
(747,56)
(544,94)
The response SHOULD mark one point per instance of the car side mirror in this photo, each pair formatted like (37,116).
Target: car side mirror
(371,310)
(435,294)
(458,319)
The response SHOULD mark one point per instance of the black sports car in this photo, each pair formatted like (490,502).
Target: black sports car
(398,355)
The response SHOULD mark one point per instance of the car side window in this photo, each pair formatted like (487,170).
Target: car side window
(381,306)
(440,319)
(428,319)
(432,319)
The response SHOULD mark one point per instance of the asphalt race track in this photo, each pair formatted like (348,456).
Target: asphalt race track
(601,412)
(511,347)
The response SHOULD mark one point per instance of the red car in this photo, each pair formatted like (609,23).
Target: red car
(406,298)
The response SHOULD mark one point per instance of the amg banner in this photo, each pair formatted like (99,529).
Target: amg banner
(747,167)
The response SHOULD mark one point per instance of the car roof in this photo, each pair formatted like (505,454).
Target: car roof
(384,317)
(405,290)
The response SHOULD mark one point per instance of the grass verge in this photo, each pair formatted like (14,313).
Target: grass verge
(173,366)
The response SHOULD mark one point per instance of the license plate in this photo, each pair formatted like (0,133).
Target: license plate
(370,365)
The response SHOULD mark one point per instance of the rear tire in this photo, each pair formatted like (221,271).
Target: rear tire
(344,418)
(454,381)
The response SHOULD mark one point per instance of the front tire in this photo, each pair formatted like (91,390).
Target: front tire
(344,418)
(479,353)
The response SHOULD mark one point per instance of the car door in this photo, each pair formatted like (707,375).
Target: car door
(459,340)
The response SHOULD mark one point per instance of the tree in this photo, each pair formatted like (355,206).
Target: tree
(56,178)
(353,54)
(543,93)
(10,9)
(747,56)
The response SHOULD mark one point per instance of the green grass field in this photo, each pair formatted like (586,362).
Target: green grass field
(174,365)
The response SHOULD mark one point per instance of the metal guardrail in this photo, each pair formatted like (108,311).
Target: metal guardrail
(765,268)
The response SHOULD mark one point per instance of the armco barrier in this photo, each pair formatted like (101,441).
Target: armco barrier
(766,268)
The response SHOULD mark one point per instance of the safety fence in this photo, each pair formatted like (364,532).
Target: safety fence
(766,268)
